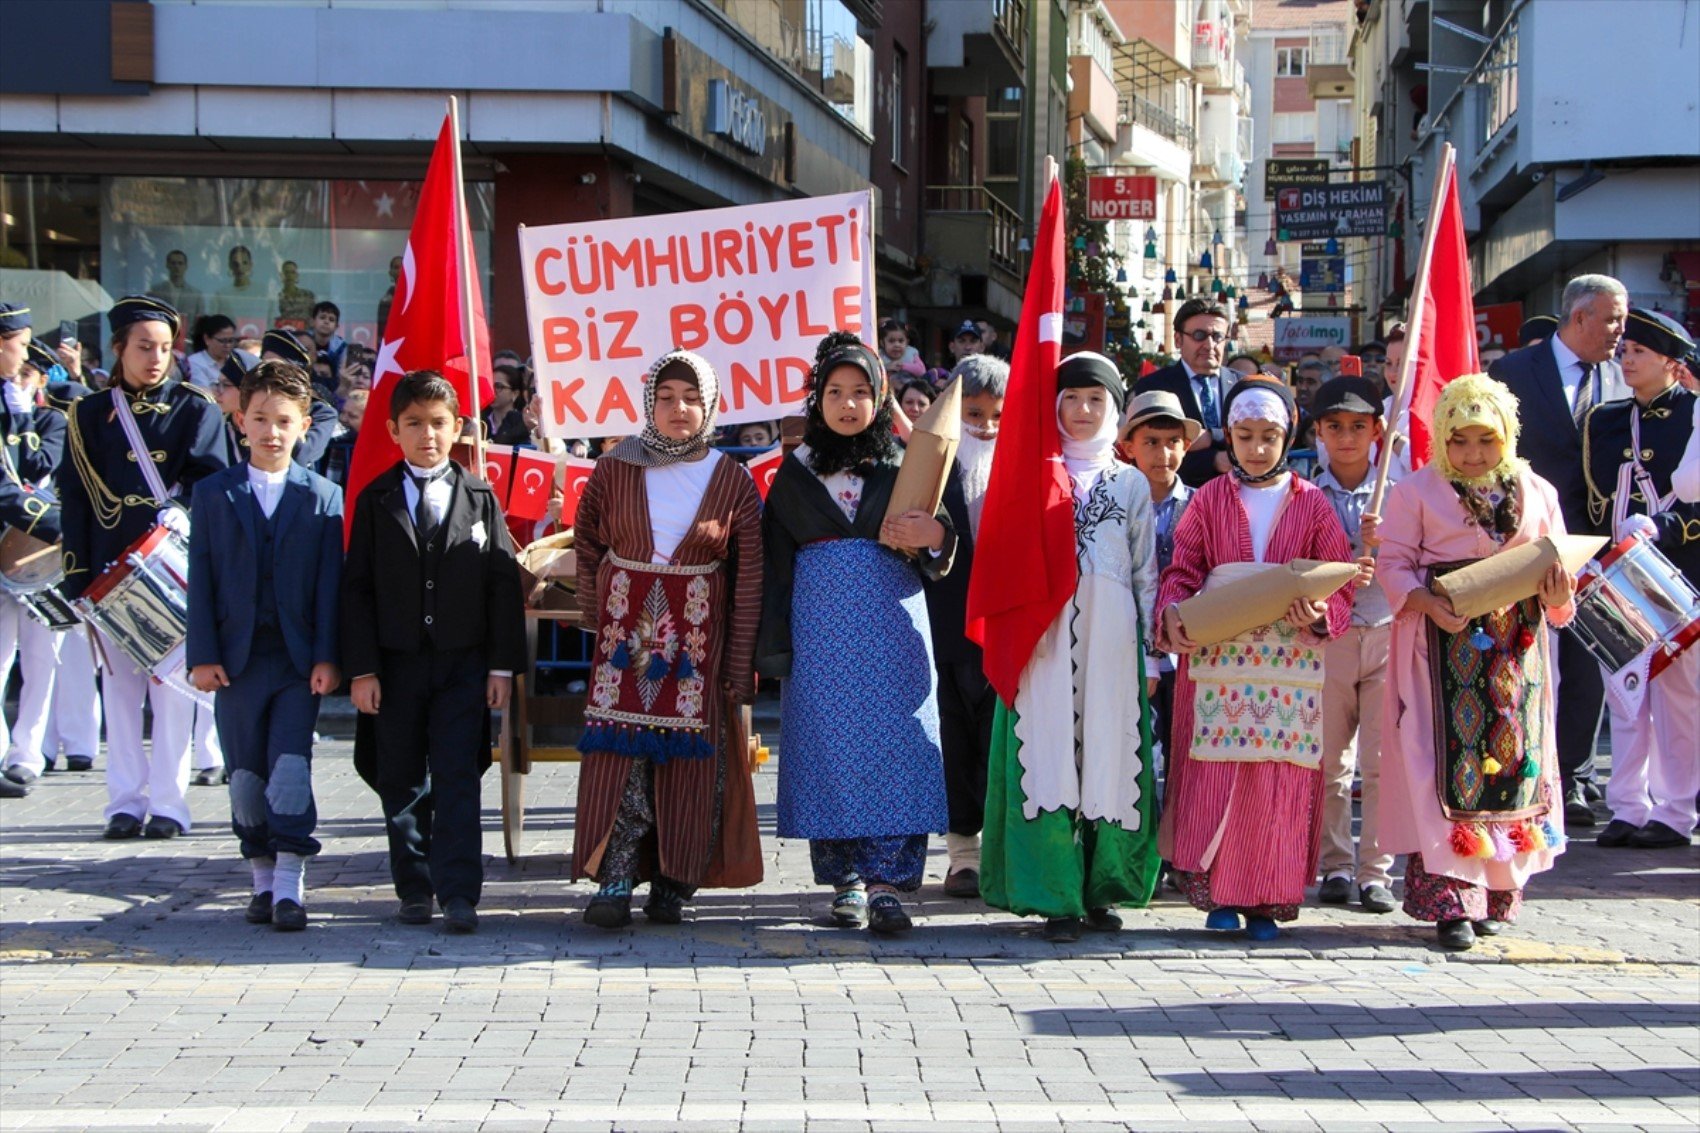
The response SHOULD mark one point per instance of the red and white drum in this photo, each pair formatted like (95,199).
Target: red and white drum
(141,603)
(1636,613)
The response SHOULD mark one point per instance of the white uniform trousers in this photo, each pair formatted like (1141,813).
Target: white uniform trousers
(208,755)
(21,635)
(1655,763)
(141,782)
(73,726)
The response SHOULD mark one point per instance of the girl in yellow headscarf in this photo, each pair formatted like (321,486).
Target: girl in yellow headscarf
(1470,774)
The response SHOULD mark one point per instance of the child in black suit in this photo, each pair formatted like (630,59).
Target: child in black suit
(433,631)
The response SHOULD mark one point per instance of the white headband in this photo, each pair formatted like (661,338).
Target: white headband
(1258,405)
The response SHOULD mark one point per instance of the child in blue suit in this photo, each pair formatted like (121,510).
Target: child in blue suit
(265,570)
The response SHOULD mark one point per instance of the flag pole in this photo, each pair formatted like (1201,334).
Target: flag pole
(463,258)
(1413,325)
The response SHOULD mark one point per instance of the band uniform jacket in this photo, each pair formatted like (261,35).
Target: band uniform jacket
(1665,424)
(103,496)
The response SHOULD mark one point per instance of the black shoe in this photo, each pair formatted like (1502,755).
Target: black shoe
(1377,898)
(963,882)
(1102,920)
(459,917)
(1591,791)
(160,826)
(609,912)
(886,915)
(210,777)
(79,763)
(1577,811)
(11,790)
(22,776)
(1657,836)
(1489,927)
(287,916)
(1335,891)
(1062,930)
(666,904)
(1617,833)
(123,826)
(259,909)
(1456,936)
(414,910)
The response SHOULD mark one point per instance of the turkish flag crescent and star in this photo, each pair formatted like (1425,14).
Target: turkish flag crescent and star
(1024,567)
(424,330)
(1445,346)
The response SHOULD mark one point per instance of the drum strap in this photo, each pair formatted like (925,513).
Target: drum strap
(144,459)
(1634,474)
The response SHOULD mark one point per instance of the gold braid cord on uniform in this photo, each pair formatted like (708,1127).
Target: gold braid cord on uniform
(1599,503)
(108,506)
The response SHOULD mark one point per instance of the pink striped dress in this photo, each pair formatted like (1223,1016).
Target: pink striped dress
(1243,835)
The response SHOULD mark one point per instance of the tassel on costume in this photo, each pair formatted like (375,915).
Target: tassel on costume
(1554,839)
(1529,768)
(657,667)
(637,741)
(622,658)
(1470,840)
(1523,837)
(1503,848)
(686,669)
(1492,766)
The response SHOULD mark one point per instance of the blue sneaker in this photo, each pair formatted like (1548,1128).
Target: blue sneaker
(1222,920)
(1262,928)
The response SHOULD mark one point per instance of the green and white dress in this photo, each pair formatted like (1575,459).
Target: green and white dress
(1071,818)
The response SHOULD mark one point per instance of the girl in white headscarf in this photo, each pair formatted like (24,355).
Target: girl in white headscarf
(668,537)
(1070,815)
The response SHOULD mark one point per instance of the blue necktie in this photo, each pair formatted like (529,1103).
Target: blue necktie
(1207,401)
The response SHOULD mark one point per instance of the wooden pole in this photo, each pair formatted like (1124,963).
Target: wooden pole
(1413,326)
(463,257)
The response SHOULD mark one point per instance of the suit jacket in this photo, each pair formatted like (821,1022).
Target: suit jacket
(1198,467)
(1549,439)
(384,598)
(34,444)
(225,541)
(947,597)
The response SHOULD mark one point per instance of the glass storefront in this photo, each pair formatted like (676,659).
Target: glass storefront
(262,251)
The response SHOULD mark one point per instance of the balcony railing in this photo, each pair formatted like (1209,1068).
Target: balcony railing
(1498,76)
(1005,223)
(1133,108)
(1010,17)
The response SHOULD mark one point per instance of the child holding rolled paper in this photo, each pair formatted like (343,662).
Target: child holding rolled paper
(1242,811)
(1469,773)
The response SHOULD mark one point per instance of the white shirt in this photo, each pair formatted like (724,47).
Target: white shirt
(1262,502)
(438,492)
(268,487)
(1570,371)
(675,494)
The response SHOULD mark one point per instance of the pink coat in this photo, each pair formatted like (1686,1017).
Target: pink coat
(1254,827)
(1425,523)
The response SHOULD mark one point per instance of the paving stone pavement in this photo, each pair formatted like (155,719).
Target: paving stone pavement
(133,995)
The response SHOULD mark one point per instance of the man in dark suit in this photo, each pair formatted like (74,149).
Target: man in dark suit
(433,629)
(1557,382)
(265,567)
(1201,383)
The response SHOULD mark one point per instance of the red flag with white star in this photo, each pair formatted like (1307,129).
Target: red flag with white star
(424,330)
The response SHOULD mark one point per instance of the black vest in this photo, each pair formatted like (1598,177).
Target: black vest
(266,619)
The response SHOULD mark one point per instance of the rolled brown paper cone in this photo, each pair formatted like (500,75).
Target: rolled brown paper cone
(926,462)
(1237,607)
(1513,574)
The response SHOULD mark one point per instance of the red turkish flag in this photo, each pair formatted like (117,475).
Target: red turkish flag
(764,468)
(1444,338)
(572,489)
(533,478)
(498,461)
(424,331)
(1024,568)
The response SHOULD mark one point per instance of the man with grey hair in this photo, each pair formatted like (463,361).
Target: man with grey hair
(966,700)
(1556,382)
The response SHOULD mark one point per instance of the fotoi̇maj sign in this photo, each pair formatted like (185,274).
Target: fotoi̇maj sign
(752,289)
